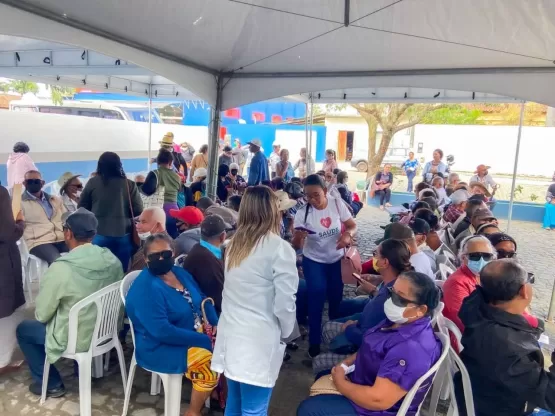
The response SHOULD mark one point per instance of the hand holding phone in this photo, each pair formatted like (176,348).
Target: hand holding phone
(306,230)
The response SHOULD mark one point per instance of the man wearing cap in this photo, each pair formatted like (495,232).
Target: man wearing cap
(209,207)
(188,221)
(178,160)
(419,260)
(456,208)
(205,260)
(71,278)
(480,216)
(226,158)
(258,170)
(275,158)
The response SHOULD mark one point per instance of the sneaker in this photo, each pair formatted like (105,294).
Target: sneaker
(388,205)
(381,207)
(36,389)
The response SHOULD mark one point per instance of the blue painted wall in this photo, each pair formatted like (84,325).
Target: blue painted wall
(267,133)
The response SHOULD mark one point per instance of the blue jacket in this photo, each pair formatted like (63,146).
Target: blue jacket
(258,170)
(164,323)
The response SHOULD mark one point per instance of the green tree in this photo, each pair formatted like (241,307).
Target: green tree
(392,117)
(4,87)
(23,87)
(453,114)
(58,93)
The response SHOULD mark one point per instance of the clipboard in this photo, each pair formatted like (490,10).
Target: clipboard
(16,199)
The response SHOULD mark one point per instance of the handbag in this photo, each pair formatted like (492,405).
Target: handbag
(134,233)
(157,198)
(350,262)
(324,385)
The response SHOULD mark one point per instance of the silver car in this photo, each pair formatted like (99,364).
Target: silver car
(395,156)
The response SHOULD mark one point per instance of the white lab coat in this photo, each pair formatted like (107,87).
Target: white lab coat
(258,309)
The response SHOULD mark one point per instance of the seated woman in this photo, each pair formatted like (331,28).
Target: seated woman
(406,218)
(394,354)
(238,183)
(549,216)
(224,187)
(382,186)
(165,305)
(391,258)
(432,239)
(346,194)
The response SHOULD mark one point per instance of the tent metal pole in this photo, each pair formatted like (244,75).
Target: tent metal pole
(309,150)
(149,127)
(306,127)
(513,185)
(214,142)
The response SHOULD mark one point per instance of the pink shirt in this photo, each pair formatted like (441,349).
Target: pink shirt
(329,165)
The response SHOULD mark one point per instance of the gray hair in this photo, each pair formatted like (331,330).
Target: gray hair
(453,176)
(463,252)
(158,215)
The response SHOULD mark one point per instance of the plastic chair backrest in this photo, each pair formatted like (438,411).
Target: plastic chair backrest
(52,188)
(437,313)
(432,372)
(361,185)
(456,361)
(124,290)
(445,271)
(108,306)
(23,250)
(446,326)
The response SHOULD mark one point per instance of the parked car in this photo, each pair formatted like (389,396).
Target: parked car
(395,156)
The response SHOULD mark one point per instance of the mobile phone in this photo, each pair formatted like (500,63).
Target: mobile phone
(306,230)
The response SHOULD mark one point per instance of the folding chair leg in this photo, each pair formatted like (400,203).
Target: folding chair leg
(155,384)
(45,375)
(98,367)
(172,396)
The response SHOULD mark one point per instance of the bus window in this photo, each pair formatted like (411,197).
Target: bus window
(111,114)
(89,113)
(25,108)
(141,114)
(55,110)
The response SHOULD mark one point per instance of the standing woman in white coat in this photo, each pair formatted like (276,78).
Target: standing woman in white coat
(258,307)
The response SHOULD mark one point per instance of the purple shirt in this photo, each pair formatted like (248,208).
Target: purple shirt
(402,355)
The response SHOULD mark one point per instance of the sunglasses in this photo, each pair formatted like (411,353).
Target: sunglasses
(165,254)
(80,186)
(397,299)
(503,254)
(478,256)
(531,278)
(33,181)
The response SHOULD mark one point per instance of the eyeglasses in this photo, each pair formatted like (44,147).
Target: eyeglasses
(165,254)
(478,256)
(397,299)
(503,254)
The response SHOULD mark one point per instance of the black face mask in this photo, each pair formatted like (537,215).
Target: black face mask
(161,266)
(33,185)
(139,184)
(234,172)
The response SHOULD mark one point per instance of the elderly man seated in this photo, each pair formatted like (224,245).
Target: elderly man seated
(43,219)
(83,271)
(205,260)
(479,217)
(501,349)
(151,221)
(209,207)
(457,207)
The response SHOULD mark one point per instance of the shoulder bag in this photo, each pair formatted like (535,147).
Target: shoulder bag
(324,385)
(350,262)
(157,198)
(134,233)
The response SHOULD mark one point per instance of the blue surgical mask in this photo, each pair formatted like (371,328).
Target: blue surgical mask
(476,266)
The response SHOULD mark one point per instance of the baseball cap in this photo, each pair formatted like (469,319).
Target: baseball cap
(484,213)
(190,215)
(295,190)
(213,225)
(82,223)
(419,226)
(396,231)
(200,173)
(276,143)
(255,142)
(227,149)
(459,196)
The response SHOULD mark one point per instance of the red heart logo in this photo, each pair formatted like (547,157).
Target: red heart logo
(326,222)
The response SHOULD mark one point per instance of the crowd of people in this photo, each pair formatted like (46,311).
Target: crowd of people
(228,283)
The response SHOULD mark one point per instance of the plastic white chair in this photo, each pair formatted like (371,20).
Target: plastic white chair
(437,312)
(33,268)
(445,271)
(446,326)
(172,382)
(432,372)
(104,338)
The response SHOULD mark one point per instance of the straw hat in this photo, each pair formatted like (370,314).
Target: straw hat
(284,202)
(66,178)
(167,140)
(481,186)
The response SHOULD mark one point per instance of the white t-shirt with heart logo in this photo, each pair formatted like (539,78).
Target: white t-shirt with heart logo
(327,224)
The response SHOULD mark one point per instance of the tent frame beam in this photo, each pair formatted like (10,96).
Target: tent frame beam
(65,20)
(392,73)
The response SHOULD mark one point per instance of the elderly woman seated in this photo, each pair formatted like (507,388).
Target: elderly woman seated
(393,356)
(165,306)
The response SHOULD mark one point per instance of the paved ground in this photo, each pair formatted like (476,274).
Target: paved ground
(537,252)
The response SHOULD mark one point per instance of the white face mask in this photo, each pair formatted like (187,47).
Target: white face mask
(144,236)
(395,313)
(78,194)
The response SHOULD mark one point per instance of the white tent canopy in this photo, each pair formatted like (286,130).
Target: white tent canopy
(252,50)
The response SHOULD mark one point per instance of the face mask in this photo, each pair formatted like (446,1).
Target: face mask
(144,236)
(394,313)
(160,267)
(476,266)
(376,266)
(33,187)
(78,194)
(234,172)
